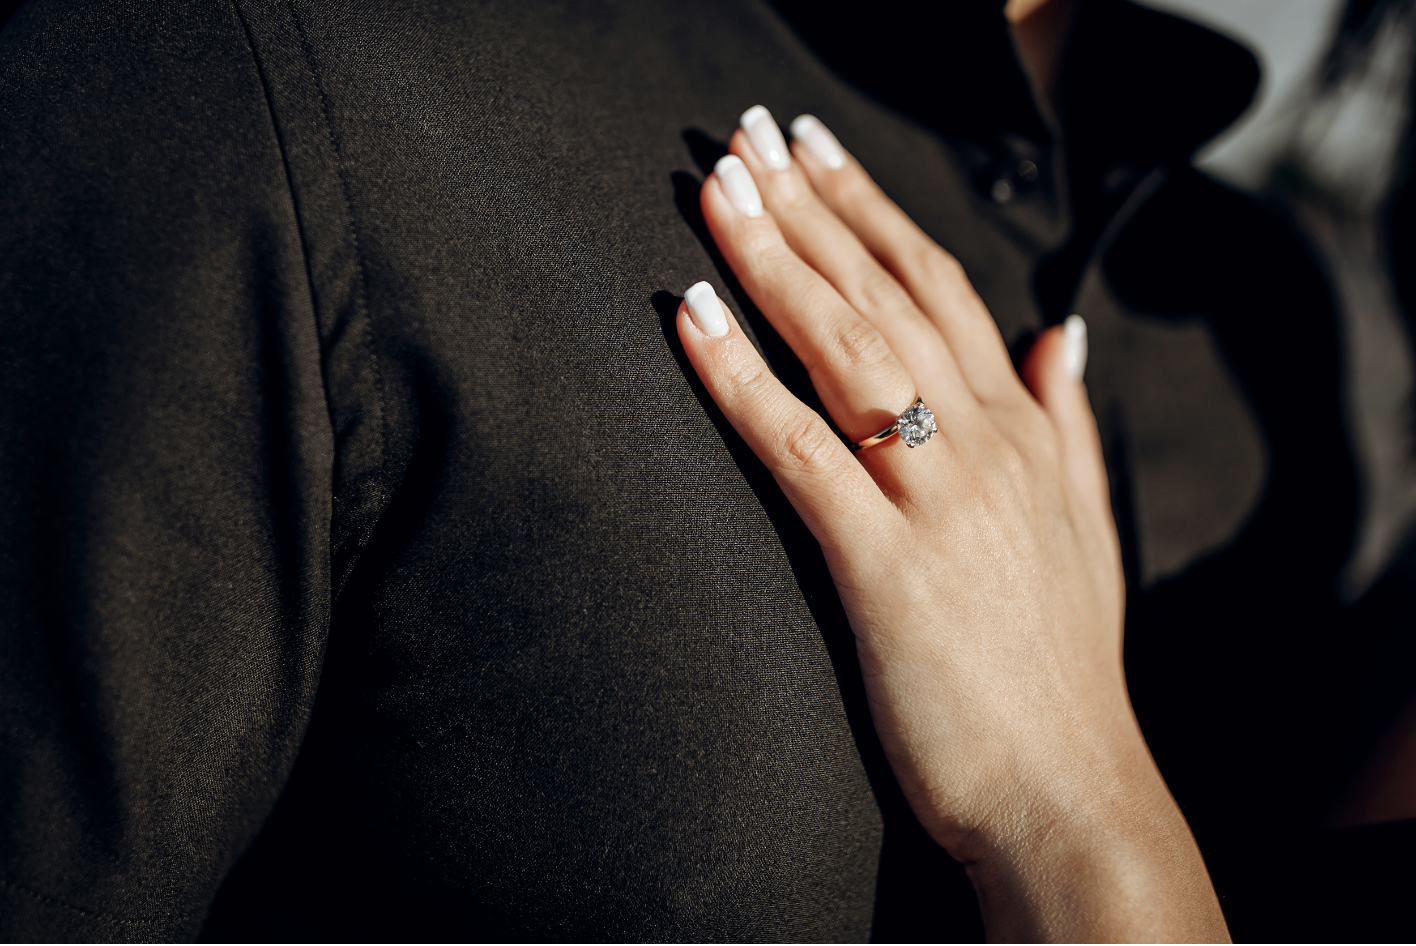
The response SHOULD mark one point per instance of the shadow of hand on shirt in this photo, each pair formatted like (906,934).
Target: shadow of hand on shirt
(903,884)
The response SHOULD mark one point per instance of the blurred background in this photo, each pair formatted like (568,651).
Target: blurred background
(1328,137)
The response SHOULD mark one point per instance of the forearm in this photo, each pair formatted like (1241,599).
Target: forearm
(1109,861)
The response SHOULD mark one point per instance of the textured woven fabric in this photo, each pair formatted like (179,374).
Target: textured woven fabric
(364,524)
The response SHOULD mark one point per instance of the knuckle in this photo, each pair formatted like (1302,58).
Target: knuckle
(806,443)
(746,379)
(771,259)
(1000,460)
(794,196)
(940,264)
(879,291)
(1013,465)
(1030,447)
(1037,432)
(853,190)
(1048,452)
(857,346)
(765,249)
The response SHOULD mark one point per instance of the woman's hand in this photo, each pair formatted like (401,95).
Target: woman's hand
(980,570)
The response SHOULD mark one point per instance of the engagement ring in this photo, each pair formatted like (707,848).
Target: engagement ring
(915,425)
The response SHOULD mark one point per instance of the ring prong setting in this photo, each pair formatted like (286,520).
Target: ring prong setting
(915,426)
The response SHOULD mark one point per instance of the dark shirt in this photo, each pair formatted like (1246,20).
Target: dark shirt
(374,566)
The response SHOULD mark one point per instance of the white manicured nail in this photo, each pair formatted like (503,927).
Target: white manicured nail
(706,310)
(1074,346)
(766,137)
(809,131)
(738,185)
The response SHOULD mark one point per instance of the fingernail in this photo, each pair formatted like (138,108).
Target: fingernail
(1074,346)
(738,185)
(766,137)
(809,131)
(706,310)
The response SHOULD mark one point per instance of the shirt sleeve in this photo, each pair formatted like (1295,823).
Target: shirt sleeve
(166,461)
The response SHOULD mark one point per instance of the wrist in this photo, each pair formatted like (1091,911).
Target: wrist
(1025,781)
(1099,855)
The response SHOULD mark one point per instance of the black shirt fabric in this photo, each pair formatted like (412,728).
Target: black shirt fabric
(364,523)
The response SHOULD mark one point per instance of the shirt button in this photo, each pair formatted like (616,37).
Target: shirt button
(1002,190)
(1027,172)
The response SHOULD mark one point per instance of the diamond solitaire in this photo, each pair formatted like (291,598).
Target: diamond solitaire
(916,424)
